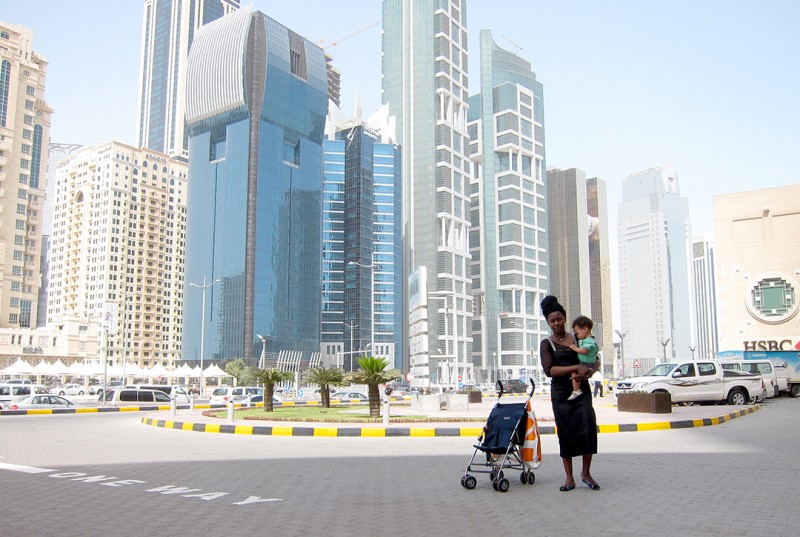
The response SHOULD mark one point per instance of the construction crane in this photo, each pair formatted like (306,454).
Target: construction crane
(335,42)
(515,45)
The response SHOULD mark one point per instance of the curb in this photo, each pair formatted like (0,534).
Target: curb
(426,431)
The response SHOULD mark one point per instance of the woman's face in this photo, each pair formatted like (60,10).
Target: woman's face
(556,322)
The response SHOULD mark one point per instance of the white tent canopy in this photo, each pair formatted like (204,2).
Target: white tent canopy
(214,371)
(20,367)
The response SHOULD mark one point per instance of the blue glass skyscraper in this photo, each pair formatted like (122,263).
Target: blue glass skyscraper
(362,248)
(256,105)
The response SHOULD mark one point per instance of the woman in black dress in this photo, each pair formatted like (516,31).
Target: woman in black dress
(576,423)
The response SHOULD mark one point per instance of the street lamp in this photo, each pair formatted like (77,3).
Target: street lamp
(664,349)
(203,327)
(693,348)
(263,360)
(621,351)
(443,295)
(350,326)
(371,268)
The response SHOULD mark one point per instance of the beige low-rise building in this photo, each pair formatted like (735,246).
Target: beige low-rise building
(758,269)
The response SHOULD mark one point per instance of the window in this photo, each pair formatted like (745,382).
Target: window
(14,302)
(27,134)
(21,209)
(16,271)
(706,369)
(5,81)
(17,255)
(20,224)
(30,90)
(19,240)
(13,318)
(23,178)
(29,104)
(22,194)
(26,149)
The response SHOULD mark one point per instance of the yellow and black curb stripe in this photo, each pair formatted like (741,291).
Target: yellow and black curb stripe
(417,431)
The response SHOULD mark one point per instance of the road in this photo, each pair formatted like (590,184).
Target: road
(107,474)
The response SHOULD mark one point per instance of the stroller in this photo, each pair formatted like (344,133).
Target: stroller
(510,441)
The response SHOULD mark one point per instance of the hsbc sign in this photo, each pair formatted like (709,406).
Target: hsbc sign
(770,345)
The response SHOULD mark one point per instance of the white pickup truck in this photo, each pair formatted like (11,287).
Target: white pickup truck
(700,381)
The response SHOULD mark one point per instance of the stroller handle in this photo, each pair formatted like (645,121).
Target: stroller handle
(500,390)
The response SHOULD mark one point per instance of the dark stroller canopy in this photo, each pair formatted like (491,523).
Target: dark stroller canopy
(506,424)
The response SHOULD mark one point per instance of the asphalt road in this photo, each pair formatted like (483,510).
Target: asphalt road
(109,475)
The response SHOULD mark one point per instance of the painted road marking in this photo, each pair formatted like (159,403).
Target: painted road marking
(112,481)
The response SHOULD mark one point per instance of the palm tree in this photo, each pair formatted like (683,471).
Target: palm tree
(372,373)
(325,377)
(270,377)
(239,370)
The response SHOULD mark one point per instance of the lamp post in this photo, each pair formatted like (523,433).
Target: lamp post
(263,360)
(443,295)
(125,336)
(693,348)
(203,327)
(663,349)
(350,326)
(621,350)
(371,268)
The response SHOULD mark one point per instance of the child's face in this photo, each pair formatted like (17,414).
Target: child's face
(582,331)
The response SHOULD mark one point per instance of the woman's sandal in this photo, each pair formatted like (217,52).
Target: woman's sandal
(592,485)
(565,488)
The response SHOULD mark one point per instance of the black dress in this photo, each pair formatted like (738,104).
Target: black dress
(576,422)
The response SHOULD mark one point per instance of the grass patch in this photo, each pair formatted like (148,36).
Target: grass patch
(335,414)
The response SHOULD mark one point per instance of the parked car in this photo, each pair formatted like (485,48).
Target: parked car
(514,386)
(132,396)
(37,401)
(68,389)
(223,394)
(178,393)
(350,395)
(14,391)
(255,398)
(97,389)
(18,381)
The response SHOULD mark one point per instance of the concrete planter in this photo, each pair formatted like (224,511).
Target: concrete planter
(475,396)
(651,403)
(425,403)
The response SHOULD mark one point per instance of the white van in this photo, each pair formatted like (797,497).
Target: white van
(178,393)
(134,397)
(12,391)
(223,394)
(774,381)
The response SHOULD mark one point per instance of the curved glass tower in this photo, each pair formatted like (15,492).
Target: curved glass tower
(256,105)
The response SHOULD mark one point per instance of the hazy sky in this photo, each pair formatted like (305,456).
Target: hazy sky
(708,86)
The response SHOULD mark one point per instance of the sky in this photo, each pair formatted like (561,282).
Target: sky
(708,87)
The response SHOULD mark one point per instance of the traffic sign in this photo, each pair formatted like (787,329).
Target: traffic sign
(409,376)
(636,364)
(299,393)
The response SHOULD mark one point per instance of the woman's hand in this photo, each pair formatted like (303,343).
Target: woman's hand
(585,371)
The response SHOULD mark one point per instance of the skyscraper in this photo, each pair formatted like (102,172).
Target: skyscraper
(704,265)
(580,264)
(568,217)
(655,288)
(24,143)
(362,248)
(118,238)
(508,237)
(600,267)
(168,28)
(256,107)
(425,85)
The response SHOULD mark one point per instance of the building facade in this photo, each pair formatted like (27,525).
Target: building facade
(117,250)
(168,29)
(256,107)
(362,248)
(705,341)
(425,81)
(569,226)
(655,289)
(600,270)
(24,143)
(758,269)
(508,234)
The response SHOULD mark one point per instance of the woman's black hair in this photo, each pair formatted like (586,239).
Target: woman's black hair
(550,304)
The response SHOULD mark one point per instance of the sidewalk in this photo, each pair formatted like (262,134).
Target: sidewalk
(609,420)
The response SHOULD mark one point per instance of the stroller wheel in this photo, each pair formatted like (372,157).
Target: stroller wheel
(492,475)
(503,484)
(531,478)
(462,482)
(494,485)
(470,482)
(523,477)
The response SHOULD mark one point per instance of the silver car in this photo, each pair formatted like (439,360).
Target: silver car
(38,401)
